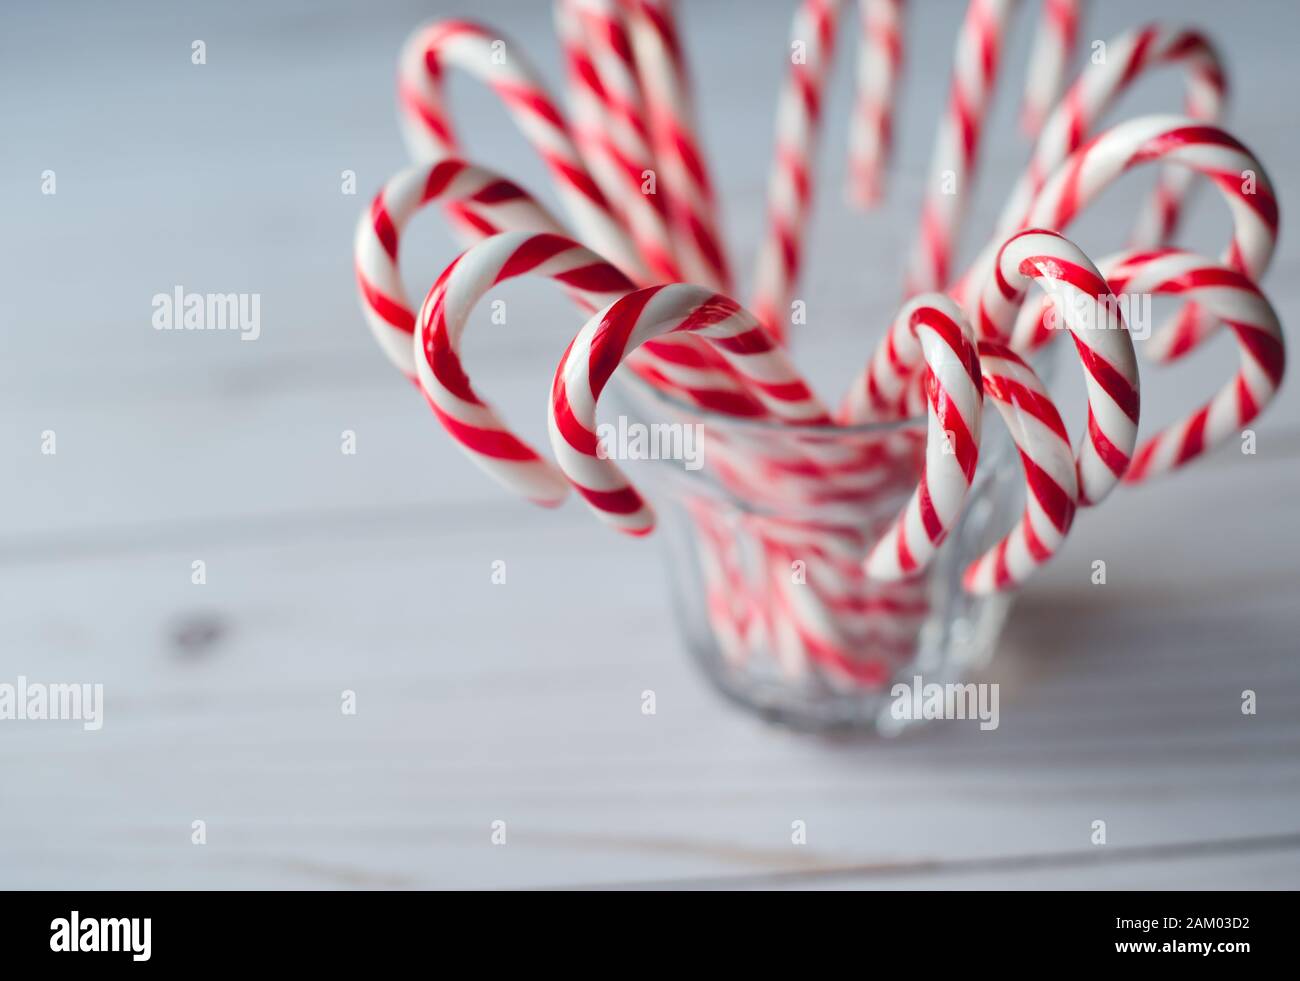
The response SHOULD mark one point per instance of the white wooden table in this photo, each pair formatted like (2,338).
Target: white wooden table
(479,703)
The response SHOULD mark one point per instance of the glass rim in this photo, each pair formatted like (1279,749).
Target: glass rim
(640,387)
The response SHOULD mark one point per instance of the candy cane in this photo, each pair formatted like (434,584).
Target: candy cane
(1233,298)
(429,132)
(497,203)
(774,476)
(1207,95)
(784,469)
(1052,485)
(1081,295)
(1177,140)
(610,113)
(835,622)
(1084,303)
(817,623)
(813,632)
(682,165)
(979,53)
(884,391)
(726,594)
(789,194)
(837,609)
(473,424)
(614,332)
(1128,57)
(423,98)
(871,126)
(836,578)
(585,97)
(1049,61)
(930,329)
(838,619)
(1036,430)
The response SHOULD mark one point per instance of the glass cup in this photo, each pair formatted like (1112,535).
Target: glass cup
(766,526)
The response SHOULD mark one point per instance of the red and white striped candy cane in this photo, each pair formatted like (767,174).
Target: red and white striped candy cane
(474,425)
(1177,140)
(790,186)
(795,471)
(1209,150)
(1084,304)
(430,134)
(956,150)
(812,504)
(1035,427)
(1174,140)
(1052,484)
(683,169)
(884,390)
(1050,58)
(1128,57)
(809,506)
(871,127)
(1207,96)
(612,125)
(930,330)
(611,335)
(497,204)
(808,629)
(1233,298)
(836,620)
(849,602)
(726,606)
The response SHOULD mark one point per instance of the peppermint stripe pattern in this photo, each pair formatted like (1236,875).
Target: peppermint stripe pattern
(1049,61)
(611,335)
(1230,296)
(474,425)
(956,151)
(1084,305)
(871,127)
(932,330)
(496,203)
(1051,482)
(502,66)
(790,187)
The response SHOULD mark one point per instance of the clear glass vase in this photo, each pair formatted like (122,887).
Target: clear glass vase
(765,528)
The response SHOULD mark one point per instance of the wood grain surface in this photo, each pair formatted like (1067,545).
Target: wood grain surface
(371,573)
